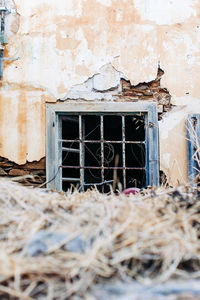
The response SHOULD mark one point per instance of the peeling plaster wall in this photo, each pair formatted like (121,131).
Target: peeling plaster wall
(173,142)
(61,45)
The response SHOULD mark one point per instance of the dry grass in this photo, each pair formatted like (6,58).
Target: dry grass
(148,237)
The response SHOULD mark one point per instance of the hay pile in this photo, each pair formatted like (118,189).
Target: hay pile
(146,237)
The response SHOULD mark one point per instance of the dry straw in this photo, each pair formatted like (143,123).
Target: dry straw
(150,237)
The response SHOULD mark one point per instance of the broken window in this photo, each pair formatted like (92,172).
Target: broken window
(115,144)
(193,138)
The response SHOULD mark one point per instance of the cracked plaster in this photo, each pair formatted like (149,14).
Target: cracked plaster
(102,86)
(62,44)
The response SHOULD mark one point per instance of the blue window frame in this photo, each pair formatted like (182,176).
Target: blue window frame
(193,145)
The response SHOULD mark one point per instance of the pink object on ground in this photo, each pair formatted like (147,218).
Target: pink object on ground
(131,191)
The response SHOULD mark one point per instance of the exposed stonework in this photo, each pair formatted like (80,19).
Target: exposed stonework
(147,91)
(111,85)
(32,173)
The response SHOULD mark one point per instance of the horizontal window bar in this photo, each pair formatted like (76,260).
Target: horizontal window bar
(105,141)
(70,150)
(99,168)
(68,179)
(77,112)
(99,183)
(70,119)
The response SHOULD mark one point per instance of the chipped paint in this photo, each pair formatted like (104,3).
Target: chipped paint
(166,12)
(102,86)
(82,49)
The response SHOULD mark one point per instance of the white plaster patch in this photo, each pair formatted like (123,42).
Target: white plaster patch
(180,56)
(138,58)
(186,100)
(37,61)
(67,8)
(108,78)
(105,2)
(166,159)
(61,8)
(119,15)
(170,121)
(101,86)
(166,11)
(63,34)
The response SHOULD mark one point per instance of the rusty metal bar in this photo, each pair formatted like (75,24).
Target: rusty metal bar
(70,150)
(102,152)
(100,183)
(81,149)
(105,168)
(124,151)
(99,141)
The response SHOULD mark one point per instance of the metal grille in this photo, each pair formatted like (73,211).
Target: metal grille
(193,138)
(68,141)
(78,149)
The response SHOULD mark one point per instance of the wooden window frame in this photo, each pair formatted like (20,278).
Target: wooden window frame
(53,134)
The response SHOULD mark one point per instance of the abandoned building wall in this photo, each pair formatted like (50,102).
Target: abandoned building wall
(57,47)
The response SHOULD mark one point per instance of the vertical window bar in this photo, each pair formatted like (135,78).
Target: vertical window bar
(81,147)
(146,119)
(124,151)
(59,136)
(58,153)
(102,153)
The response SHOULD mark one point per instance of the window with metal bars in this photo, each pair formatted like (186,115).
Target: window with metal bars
(102,144)
(193,139)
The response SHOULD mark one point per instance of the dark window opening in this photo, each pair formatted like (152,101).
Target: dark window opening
(102,150)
